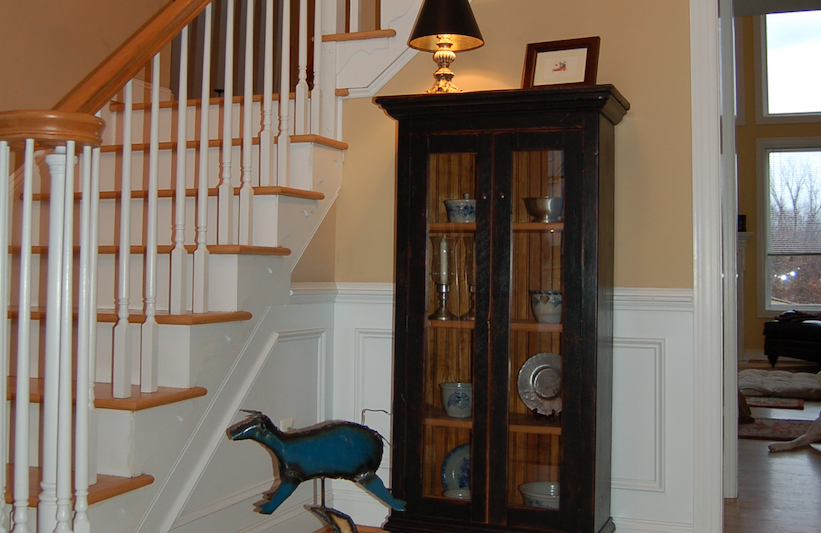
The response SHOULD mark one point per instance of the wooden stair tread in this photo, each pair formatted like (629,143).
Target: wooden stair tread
(105,488)
(163,317)
(170,193)
(138,249)
(217,143)
(118,106)
(104,399)
(358,35)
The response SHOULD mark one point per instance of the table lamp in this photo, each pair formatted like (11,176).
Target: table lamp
(445,27)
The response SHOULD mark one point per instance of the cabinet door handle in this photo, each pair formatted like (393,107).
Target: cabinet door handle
(501,196)
(484,196)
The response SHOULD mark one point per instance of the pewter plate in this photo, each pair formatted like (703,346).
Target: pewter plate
(540,383)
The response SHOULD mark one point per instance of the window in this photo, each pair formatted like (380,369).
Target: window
(790,224)
(790,81)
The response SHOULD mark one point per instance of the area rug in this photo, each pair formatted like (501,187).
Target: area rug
(775,403)
(770,429)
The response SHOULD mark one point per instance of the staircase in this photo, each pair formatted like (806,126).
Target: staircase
(147,281)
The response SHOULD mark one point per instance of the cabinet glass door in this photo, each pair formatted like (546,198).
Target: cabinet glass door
(449,327)
(535,353)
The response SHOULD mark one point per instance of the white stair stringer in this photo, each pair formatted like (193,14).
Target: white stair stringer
(364,66)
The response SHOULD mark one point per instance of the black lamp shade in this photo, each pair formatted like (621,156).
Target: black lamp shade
(446,17)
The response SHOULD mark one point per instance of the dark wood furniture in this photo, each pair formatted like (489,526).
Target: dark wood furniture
(499,147)
(799,339)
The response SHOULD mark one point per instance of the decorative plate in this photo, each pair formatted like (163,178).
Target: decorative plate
(540,383)
(456,468)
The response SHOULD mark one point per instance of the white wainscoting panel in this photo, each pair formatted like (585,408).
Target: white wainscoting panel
(653,397)
(641,434)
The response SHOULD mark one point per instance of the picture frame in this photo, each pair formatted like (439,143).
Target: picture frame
(566,62)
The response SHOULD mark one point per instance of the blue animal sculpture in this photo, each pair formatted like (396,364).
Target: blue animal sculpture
(335,449)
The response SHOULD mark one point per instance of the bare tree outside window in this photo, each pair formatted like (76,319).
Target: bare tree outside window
(794,249)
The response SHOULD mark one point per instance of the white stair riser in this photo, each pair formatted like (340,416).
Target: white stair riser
(265,211)
(141,123)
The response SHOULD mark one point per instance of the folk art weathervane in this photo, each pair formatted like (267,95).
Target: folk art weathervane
(335,449)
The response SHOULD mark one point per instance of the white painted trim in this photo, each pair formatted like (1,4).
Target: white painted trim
(659,350)
(268,523)
(386,76)
(651,299)
(348,293)
(631,525)
(172,495)
(625,298)
(707,282)
(359,382)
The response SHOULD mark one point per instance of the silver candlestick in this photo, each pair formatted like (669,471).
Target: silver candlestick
(442,272)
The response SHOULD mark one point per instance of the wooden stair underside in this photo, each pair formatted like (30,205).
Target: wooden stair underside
(105,488)
(104,399)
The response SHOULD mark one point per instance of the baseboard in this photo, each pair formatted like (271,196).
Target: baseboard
(632,525)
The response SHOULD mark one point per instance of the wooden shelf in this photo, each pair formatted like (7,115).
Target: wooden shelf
(549,227)
(105,488)
(436,417)
(452,226)
(528,423)
(452,324)
(530,325)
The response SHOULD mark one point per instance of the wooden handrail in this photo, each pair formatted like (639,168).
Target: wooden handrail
(96,89)
(51,128)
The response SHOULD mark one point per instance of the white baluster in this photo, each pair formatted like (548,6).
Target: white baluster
(65,404)
(353,16)
(47,507)
(225,190)
(121,379)
(246,193)
(150,330)
(92,323)
(85,311)
(5,268)
(201,256)
(301,118)
(316,91)
(21,405)
(179,255)
(284,138)
(266,136)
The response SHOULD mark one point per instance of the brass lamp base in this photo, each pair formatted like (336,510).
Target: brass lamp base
(443,57)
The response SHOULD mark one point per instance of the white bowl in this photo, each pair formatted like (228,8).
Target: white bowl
(461,210)
(459,494)
(542,494)
(546,306)
(457,399)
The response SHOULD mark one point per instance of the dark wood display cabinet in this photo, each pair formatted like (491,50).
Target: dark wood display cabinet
(504,310)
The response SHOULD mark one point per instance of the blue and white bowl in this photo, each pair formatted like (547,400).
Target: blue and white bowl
(541,494)
(546,306)
(457,399)
(461,210)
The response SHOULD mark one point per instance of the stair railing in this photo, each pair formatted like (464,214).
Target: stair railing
(71,128)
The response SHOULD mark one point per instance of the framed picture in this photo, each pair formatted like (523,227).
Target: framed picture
(568,62)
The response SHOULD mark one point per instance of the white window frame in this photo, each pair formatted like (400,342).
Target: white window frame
(762,148)
(762,115)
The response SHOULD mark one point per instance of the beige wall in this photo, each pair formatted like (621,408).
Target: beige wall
(36,65)
(746,135)
(644,53)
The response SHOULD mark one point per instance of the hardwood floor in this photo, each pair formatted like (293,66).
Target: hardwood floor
(777,492)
